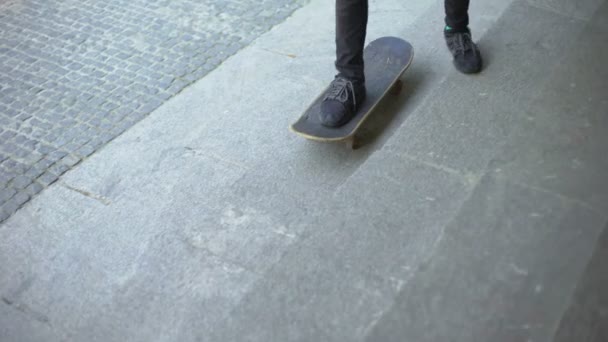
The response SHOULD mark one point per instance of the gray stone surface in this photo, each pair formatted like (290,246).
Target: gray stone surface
(560,144)
(25,325)
(575,9)
(76,74)
(209,221)
(406,209)
(164,265)
(478,113)
(168,302)
(505,270)
(587,317)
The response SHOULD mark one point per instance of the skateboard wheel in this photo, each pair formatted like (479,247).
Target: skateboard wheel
(396,89)
(351,143)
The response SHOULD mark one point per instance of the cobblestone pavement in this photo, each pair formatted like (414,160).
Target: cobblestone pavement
(76,74)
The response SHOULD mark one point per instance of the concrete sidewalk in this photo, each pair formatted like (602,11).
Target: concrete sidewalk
(475,211)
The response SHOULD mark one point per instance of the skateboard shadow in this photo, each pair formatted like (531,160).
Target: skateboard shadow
(393,109)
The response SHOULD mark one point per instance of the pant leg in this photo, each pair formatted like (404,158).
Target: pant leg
(351,27)
(457,14)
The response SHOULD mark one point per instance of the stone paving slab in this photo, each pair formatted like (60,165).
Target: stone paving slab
(171,234)
(76,74)
(478,113)
(22,327)
(575,9)
(561,143)
(585,319)
(394,206)
(505,269)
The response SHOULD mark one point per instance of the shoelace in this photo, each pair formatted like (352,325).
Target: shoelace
(340,90)
(461,43)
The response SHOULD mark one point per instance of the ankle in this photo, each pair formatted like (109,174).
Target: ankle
(449,29)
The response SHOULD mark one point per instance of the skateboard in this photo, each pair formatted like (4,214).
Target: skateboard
(386,59)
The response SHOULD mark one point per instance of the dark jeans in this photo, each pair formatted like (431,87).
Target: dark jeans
(351,26)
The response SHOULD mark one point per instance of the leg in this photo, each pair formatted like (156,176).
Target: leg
(457,14)
(347,91)
(467,57)
(351,27)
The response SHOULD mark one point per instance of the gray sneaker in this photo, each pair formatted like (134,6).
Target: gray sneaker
(341,102)
(467,58)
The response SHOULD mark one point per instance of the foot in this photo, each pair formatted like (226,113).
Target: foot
(341,102)
(467,58)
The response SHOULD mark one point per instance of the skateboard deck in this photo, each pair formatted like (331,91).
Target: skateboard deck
(386,59)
